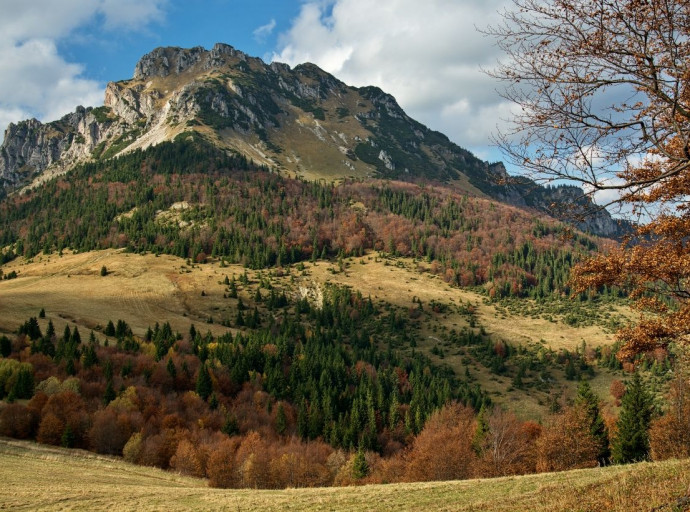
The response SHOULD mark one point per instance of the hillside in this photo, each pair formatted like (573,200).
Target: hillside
(42,478)
(141,288)
(191,281)
(301,122)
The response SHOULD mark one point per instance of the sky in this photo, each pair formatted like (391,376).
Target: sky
(57,54)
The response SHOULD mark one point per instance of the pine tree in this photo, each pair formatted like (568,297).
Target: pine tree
(109,394)
(360,467)
(204,386)
(588,400)
(230,427)
(481,431)
(90,358)
(632,441)
(50,331)
(170,367)
(5,346)
(76,337)
(68,438)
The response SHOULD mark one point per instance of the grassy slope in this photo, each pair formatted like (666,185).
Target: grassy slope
(37,478)
(143,290)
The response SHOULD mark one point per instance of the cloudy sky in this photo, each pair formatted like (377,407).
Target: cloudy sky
(57,54)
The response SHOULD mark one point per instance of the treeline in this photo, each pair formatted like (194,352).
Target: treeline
(193,201)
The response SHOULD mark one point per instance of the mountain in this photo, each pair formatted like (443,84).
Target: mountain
(243,324)
(299,121)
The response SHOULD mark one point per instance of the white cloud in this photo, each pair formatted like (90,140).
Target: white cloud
(427,54)
(37,19)
(35,80)
(131,14)
(261,33)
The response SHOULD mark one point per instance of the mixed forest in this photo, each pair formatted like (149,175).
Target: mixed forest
(299,392)
(191,200)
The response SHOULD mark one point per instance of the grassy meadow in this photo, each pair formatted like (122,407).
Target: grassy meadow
(37,477)
(145,289)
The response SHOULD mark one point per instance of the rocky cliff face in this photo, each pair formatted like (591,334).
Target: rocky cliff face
(300,121)
(31,147)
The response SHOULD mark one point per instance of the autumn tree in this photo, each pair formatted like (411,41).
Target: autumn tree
(452,428)
(602,96)
(506,447)
(566,443)
(669,435)
(188,459)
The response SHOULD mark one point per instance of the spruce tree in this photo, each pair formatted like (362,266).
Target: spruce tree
(50,331)
(170,367)
(109,394)
(360,467)
(68,438)
(204,386)
(632,441)
(588,400)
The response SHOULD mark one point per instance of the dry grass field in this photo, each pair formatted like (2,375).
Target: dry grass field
(36,477)
(145,289)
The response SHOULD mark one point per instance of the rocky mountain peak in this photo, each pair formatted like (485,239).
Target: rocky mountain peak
(172,60)
(301,120)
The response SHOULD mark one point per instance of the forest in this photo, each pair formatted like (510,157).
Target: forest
(305,395)
(233,210)
(297,393)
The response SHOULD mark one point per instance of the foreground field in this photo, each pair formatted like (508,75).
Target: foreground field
(37,478)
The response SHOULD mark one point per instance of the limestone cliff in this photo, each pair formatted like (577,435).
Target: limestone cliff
(300,121)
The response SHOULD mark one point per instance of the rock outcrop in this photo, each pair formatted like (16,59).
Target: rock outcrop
(30,147)
(299,120)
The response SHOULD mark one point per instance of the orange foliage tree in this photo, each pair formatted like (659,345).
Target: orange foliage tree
(603,90)
(567,442)
(507,447)
(443,449)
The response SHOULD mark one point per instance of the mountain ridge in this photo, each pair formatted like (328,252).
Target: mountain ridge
(301,121)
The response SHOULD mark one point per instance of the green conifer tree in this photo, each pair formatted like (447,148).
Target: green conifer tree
(632,441)
(587,399)
(170,367)
(5,346)
(360,467)
(68,438)
(204,385)
(109,394)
